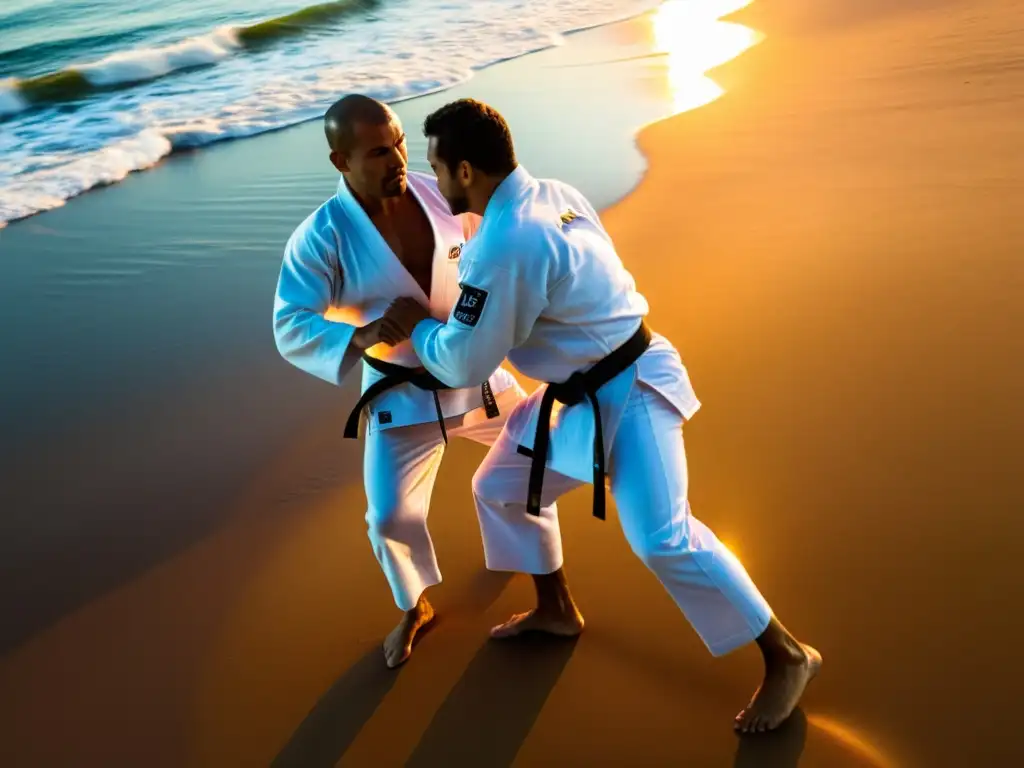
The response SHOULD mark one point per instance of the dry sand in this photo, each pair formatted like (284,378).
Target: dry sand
(835,247)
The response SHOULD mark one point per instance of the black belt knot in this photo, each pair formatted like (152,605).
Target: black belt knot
(572,390)
(579,386)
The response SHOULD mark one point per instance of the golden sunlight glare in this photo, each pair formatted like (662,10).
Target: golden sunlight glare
(853,740)
(694,41)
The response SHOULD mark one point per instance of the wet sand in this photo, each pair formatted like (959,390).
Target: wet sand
(834,248)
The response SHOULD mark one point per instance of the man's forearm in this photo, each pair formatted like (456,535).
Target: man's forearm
(448,355)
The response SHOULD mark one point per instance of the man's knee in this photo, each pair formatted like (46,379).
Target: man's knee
(484,484)
(645,549)
(499,484)
(383,515)
(654,547)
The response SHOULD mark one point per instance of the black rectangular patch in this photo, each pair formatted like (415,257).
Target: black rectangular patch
(384,417)
(470,305)
(490,403)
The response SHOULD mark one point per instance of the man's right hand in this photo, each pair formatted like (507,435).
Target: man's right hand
(383,330)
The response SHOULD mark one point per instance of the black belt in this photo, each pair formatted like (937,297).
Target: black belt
(418,377)
(582,384)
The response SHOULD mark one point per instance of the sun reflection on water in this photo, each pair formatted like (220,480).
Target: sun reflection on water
(694,40)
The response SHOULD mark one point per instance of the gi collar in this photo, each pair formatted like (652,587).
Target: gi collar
(344,192)
(511,187)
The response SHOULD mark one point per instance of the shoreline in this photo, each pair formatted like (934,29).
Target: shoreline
(733,15)
(147,137)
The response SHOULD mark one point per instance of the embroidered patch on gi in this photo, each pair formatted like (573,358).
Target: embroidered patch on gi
(470,305)
(568,217)
(384,417)
(454,252)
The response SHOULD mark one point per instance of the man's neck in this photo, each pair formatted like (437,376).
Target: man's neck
(376,206)
(487,189)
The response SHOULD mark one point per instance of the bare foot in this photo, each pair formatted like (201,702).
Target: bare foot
(784,684)
(563,624)
(398,644)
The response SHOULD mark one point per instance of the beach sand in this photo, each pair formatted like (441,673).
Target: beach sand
(834,246)
(843,276)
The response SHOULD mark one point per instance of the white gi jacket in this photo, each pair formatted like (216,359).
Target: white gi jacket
(338,274)
(543,285)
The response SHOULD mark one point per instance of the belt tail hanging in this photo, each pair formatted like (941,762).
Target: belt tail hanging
(373,391)
(580,386)
(599,470)
(540,453)
(440,417)
(394,375)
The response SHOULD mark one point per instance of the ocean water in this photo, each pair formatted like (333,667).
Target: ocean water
(92,90)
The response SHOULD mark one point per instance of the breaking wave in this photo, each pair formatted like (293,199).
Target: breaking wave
(90,125)
(128,68)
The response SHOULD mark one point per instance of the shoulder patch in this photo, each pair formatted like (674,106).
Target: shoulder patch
(470,305)
(568,217)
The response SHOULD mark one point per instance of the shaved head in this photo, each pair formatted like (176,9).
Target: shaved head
(341,119)
(368,146)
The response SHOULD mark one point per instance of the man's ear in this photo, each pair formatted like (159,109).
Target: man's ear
(464,174)
(339,160)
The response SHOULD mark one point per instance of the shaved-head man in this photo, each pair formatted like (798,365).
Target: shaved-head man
(386,232)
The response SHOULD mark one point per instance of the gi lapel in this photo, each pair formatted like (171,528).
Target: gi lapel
(376,247)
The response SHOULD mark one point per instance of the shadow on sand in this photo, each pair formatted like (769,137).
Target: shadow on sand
(780,748)
(470,728)
(335,721)
(333,724)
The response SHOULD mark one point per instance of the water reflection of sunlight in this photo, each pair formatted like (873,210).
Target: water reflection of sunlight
(694,41)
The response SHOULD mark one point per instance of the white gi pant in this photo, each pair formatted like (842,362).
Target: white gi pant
(648,478)
(399,470)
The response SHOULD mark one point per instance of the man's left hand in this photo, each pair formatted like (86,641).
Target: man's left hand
(406,312)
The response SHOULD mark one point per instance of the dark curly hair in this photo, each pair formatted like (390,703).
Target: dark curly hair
(470,130)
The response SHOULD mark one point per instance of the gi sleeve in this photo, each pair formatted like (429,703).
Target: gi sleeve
(309,281)
(494,313)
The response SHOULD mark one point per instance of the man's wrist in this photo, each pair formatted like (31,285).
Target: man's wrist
(359,339)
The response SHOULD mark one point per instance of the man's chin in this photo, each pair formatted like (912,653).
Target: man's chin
(396,188)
